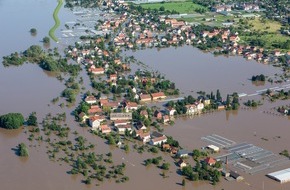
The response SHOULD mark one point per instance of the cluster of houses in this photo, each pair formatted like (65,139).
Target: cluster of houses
(242,6)
(121,121)
(133,31)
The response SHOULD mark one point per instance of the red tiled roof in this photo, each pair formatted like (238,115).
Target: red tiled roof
(158,94)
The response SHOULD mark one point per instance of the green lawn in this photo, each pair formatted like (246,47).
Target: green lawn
(181,7)
(56,20)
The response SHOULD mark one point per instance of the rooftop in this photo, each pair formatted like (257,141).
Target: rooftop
(282,176)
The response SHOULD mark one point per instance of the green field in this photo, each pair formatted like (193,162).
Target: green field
(268,39)
(56,20)
(266,25)
(206,19)
(181,7)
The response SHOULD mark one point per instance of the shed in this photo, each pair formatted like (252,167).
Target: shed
(281,176)
(213,148)
(183,153)
(236,176)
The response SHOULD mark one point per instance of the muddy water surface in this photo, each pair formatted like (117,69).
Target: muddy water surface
(192,70)
(27,88)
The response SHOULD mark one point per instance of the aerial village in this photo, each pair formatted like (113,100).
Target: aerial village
(123,105)
(136,107)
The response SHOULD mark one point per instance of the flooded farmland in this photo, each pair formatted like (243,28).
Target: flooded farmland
(27,88)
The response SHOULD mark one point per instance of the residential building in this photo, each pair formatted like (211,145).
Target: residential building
(145,97)
(183,153)
(191,109)
(122,128)
(181,163)
(140,126)
(90,100)
(130,106)
(144,113)
(105,129)
(158,140)
(121,122)
(143,136)
(98,71)
(210,161)
(120,116)
(165,119)
(171,111)
(158,95)
(82,117)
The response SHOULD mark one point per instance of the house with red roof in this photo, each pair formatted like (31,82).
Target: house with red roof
(145,97)
(210,161)
(158,95)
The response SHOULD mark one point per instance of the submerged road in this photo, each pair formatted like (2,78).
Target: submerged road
(259,92)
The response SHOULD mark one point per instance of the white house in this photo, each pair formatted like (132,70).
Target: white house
(199,106)
(143,136)
(158,140)
(191,109)
(171,111)
(94,122)
(130,106)
(90,99)
(122,128)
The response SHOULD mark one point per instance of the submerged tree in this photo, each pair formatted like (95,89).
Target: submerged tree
(22,150)
(33,31)
(32,119)
(46,40)
(11,120)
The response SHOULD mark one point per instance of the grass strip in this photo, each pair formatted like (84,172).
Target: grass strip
(56,20)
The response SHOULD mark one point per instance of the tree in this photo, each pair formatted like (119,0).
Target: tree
(228,100)
(32,119)
(11,120)
(46,40)
(187,171)
(183,182)
(111,140)
(126,148)
(162,8)
(22,150)
(33,31)
(165,166)
(218,95)
(196,154)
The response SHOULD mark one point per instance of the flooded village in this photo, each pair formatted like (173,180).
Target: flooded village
(144,105)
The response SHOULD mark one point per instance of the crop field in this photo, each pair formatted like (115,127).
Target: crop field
(181,7)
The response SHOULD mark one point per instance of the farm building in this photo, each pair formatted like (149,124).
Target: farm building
(213,148)
(282,176)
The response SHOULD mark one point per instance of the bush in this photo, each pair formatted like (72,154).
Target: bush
(33,30)
(46,40)
(11,120)
(32,119)
(22,150)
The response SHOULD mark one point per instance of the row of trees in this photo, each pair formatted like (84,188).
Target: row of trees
(260,77)
(49,62)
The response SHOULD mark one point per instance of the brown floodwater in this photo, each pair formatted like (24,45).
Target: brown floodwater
(193,70)
(27,88)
